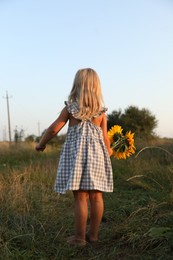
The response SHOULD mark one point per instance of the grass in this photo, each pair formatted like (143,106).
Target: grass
(35,222)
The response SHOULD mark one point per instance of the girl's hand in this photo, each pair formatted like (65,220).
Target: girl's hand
(39,148)
(110,152)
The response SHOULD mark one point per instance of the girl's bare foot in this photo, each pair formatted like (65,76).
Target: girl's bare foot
(91,240)
(76,241)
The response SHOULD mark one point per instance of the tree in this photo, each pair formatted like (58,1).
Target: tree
(18,135)
(114,118)
(140,121)
(30,138)
(55,141)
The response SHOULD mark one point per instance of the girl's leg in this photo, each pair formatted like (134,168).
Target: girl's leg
(96,213)
(81,213)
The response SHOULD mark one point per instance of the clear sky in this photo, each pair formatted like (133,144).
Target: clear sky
(43,43)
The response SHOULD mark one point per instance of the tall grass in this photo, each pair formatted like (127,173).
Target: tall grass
(35,222)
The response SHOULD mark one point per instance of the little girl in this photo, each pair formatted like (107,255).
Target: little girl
(84,164)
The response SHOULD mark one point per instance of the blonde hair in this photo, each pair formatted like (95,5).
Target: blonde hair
(86,91)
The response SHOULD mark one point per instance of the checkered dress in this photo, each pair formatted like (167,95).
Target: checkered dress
(84,161)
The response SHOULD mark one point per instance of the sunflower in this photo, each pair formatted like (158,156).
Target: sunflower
(122,145)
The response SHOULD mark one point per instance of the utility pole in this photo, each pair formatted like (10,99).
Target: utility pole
(38,128)
(8,113)
(4,134)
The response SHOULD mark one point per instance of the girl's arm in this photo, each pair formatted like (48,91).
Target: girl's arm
(53,129)
(103,125)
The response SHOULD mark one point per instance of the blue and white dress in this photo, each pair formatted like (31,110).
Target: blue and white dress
(84,160)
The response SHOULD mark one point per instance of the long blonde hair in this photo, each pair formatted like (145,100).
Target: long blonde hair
(86,91)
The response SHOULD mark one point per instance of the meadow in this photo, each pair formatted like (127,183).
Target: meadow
(35,222)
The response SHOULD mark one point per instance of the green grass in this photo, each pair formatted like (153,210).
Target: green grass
(35,222)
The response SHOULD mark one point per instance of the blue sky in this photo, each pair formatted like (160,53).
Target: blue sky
(43,43)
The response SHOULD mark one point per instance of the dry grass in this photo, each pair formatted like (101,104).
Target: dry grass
(35,222)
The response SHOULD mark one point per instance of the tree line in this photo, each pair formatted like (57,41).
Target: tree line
(140,121)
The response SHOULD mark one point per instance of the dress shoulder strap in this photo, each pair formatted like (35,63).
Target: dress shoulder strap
(72,107)
(103,109)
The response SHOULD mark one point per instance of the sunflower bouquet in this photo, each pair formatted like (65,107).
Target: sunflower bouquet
(122,145)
